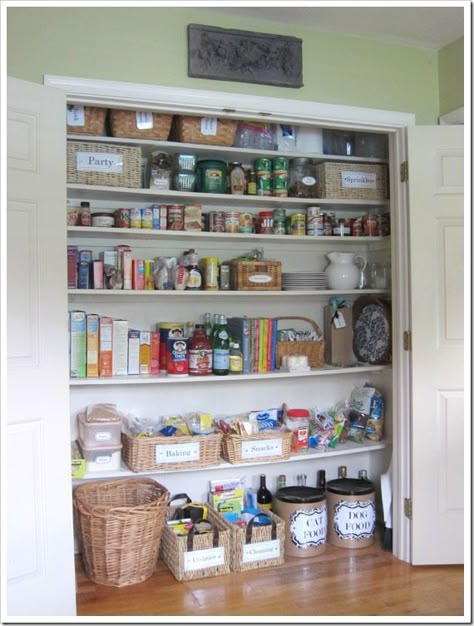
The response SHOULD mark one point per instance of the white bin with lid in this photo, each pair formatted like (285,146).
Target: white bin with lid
(99,434)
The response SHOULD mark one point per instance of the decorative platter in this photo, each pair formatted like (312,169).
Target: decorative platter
(372,326)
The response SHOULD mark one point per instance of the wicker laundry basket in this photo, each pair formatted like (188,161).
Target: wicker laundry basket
(120,523)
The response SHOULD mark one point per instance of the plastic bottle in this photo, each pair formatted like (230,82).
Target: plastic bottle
(264,496)
(235,359)
(195,276)
(200,353)
(221,348)
(238,181)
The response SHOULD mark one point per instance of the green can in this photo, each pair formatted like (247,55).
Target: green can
(264,184)
(280,165)
(280,184)
(263,164)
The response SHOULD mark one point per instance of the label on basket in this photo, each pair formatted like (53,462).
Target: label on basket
(208,125)
(75,115)
(261,551)
(366,180)
(260,278)
(200,559)
(144,119)
(99,162)
(178,453)
(262,448)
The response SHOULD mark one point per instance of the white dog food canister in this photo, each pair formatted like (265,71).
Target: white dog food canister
(351,512)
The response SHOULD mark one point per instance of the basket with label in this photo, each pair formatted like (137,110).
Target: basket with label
(271,445)
(255,546)
(351,181)
(255,275)
(85,120)
(140,124)
(197,554)
(314,350)
(170,453)
(105,164)
(206,130)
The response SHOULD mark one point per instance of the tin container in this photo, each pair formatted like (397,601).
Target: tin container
(304,510)
(210,272)
(217,222)
(122,218)
(175,218)
(314,221)
(174,330)
(232,222)
(245,222)
(298,224)
(280,165)
(264,184)
(135,218)
(264,164)
(351,512)
(177,356)
(104,220)
(280,185)
(224,277)
(327,225)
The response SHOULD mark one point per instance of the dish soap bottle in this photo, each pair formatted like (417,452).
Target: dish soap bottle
(235,359)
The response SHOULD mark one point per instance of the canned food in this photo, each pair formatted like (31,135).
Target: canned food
(315,221)
(298,224)
(342,228)
(210,269)
(147,218)
(135,218)
(279,227)
(246,223)
(263,164)
(265,222)
(122,218)
(232,222)
(264,183)
(357,229)
(105,220)
(280,165)
(175,217)
(224,277)
(369,223)
(327,225)
(216,222)
(280,184)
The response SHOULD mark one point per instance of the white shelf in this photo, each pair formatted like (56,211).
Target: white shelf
(341,449)
(122,194)
(97,232)
(227,153)
(164,379)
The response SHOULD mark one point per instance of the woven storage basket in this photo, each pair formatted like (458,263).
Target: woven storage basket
(151,453)
(314,350)
(94,122)
(176,550)
(120,523)
(124,124)
(255,275)
(187,129)
(130,175)
(351,181)
(254,547)
(263,447)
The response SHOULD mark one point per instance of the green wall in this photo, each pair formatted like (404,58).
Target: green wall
(451,76)
(149,45)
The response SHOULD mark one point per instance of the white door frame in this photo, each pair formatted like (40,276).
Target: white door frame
(126,95)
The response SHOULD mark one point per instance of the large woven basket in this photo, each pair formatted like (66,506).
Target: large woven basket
(175,550)
(120,523)
(255,275)
(94,122)
(351,181)
(314,350)
(157,453)
(263,447)
(187,129)
(254,546)
(124,124)
(129,176)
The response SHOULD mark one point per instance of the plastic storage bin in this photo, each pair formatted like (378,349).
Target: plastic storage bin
(103,459)
(99,434)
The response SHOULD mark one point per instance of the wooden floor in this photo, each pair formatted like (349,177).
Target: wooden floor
(339,582)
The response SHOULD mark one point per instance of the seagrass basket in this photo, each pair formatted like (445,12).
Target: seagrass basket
(192,129)
(120,523)
(314,350)
(254,547)
(194,556)
(351,181)
(83,157)
(170,453)
(126,124)
(262,447)
(94,122)
(255,275)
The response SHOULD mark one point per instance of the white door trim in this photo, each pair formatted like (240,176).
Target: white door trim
(163,98)
(453,117)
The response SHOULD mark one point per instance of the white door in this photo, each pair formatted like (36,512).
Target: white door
(436,200)
(39,534)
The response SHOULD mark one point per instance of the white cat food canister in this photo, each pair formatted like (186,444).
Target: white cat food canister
(351,512)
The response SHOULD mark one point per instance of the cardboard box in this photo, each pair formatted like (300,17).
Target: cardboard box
(72,257)
(92,345)
(133,351)
(145,352)
(155,353)
(338,341)
(119,347)
(105,346)
(77,344)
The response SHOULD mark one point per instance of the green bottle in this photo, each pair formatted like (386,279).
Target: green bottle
(220,348)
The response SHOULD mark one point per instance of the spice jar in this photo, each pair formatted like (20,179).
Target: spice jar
(302,178)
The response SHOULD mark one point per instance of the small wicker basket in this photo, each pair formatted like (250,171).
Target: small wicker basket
(175,550)
(125,124)
(120,524)
(314,350)
(94,122)
(129,176)
(255,275)
(257,448)
(351,181)
(152,453)
(267,541)
(188,129)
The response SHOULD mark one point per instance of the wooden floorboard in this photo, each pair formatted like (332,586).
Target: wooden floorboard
(339,582)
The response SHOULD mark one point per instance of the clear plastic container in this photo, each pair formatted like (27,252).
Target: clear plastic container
(302,178)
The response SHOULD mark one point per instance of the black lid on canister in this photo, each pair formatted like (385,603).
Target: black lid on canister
(300,495)
(350,486)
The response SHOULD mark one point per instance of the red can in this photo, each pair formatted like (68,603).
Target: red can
(122,218)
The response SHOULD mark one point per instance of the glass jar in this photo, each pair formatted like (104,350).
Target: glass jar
(302,178)
(161,167)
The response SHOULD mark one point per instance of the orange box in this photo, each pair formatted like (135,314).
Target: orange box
(145,352)
(155,353)
(105,346)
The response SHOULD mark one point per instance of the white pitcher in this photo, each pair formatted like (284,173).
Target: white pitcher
(342,271)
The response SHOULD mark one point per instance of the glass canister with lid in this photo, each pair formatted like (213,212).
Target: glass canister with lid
(302,178)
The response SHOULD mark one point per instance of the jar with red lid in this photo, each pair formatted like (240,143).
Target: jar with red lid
(200,353)
(265,223)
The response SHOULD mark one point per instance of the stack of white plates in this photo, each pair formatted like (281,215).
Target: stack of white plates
(294,281)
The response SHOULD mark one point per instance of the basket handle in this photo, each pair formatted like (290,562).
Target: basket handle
(215,533)
(180,496)
(250,526)
(305,319)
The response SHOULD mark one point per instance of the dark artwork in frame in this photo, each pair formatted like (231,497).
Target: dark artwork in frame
(244,56)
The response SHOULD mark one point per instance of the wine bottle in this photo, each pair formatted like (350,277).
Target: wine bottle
(342,471)
(264,497)
(322,479)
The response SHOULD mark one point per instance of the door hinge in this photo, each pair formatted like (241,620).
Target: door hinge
(407,340)
(408,508)
(404,172)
